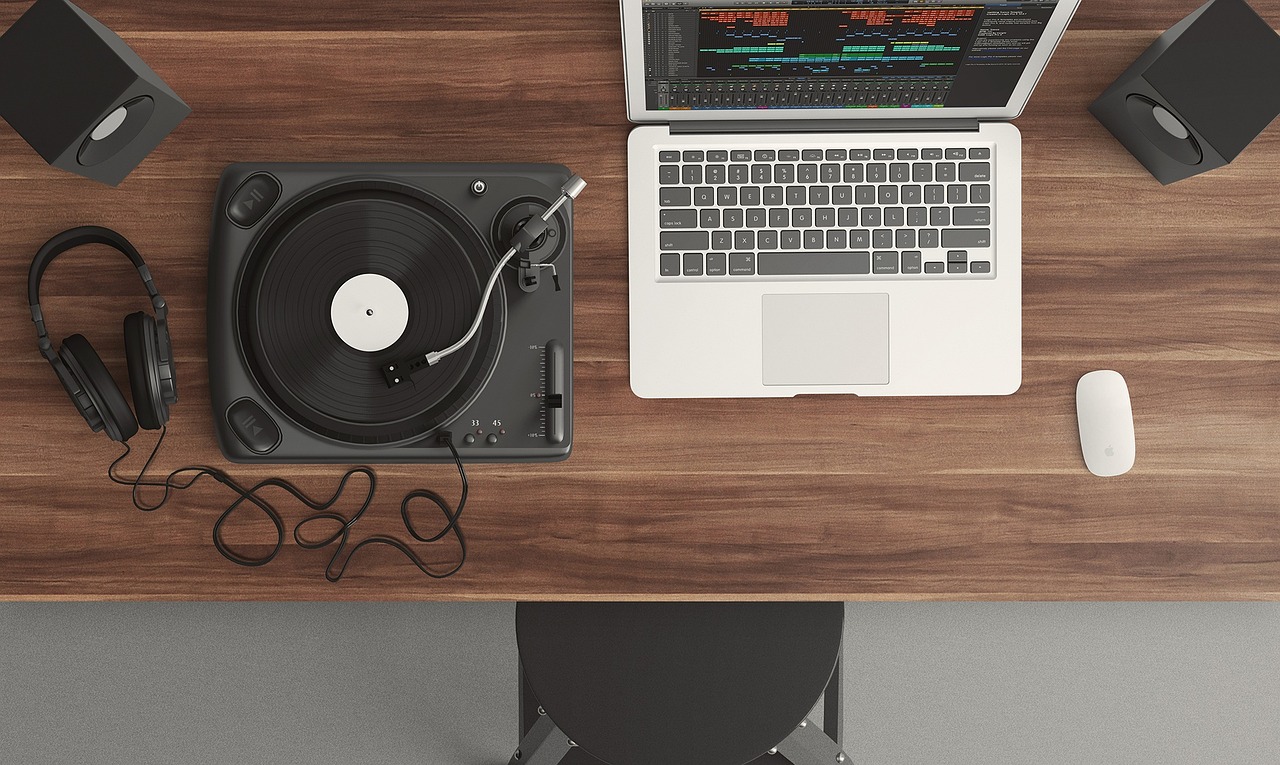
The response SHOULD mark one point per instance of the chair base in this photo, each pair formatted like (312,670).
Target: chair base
(543,743)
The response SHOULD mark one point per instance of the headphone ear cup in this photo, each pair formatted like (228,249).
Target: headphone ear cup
(87,366)
(142,354)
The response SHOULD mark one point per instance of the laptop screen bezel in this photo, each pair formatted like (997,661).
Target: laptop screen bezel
(637,111)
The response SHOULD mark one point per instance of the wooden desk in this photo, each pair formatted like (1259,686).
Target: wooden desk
(825,497)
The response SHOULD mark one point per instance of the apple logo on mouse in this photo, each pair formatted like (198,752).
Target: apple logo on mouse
(1110,452)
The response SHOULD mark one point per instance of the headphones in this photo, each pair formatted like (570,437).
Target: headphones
(146,343)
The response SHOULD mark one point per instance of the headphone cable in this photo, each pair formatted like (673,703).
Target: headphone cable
(184,477)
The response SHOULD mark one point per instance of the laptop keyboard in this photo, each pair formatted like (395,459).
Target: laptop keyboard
(860,213)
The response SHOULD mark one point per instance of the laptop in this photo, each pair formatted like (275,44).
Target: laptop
(825,197)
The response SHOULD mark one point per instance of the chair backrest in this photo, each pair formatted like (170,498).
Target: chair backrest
(678,683)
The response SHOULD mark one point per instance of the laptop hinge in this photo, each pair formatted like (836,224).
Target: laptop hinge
(823,126)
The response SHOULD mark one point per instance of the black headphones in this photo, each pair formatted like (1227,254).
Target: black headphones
(146,342)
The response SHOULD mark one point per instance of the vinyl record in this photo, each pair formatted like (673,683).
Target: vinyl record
(287,311)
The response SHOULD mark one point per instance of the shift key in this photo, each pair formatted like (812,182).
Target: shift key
(960,237)
(684,240)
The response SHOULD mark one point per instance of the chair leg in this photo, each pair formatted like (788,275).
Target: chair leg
(544,744)
(833,704)
(809,745)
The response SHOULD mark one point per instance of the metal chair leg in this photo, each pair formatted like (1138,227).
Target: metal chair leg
(544,744)
(833,704)
(809,745)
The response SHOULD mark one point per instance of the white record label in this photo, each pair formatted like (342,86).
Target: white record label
(369,312)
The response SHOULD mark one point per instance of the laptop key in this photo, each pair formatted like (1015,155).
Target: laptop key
(931,154)
(715,174)
(709,218)
(791,240)
(980,194)
(837,155)
(957,256)
(721,240)
(789,155)
(750,195)
(884,262)
(773,196)
(691,175)
(744,240)
(718,156)
(859,155)
(678,219)
(975,171)
(693,156)
(814,263)
(917,217)
(693,264)
(766,155)
(767,240)
(675,196)
(668,156)
(669,264)
(980,267)
(956,153)
(779,217)
(742,264)
(704,196)
(739,174)
(668,174)
(756,218)
(717,264)
(882,154)
(957,268)
(740,155)
(811,155)
(727,196)
(935,267)
(814,240)
(971,216)
(683,240)
(980,152)
(910,262)
(733,218)
(966,237)
(859,239)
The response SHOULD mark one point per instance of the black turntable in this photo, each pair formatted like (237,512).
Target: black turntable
(322,277)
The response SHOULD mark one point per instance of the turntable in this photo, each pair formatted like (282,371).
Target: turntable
(322,277)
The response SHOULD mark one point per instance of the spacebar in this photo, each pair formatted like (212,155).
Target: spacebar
(804,263)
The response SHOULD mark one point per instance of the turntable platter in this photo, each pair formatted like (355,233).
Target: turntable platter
(353,276)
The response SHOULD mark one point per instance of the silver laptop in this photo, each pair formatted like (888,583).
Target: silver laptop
(828,199)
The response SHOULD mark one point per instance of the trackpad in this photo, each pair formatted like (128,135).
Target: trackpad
(826,339)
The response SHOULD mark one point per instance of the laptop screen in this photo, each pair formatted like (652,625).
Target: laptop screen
(822,54)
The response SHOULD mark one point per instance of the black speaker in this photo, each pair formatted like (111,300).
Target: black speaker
(79,95)
(1199,94)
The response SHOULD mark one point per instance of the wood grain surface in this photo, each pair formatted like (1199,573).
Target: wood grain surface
(818,497)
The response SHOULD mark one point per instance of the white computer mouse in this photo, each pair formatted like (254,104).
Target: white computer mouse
(1105,417)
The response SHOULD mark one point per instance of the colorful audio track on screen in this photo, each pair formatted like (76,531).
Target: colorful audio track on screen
(823,55)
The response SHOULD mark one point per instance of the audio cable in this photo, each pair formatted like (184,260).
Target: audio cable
(184,477)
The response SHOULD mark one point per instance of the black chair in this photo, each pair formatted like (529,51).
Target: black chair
(678,683)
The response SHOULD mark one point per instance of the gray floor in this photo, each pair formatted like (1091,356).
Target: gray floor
(325,683)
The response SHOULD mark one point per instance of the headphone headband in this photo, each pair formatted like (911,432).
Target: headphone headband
(70,239)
